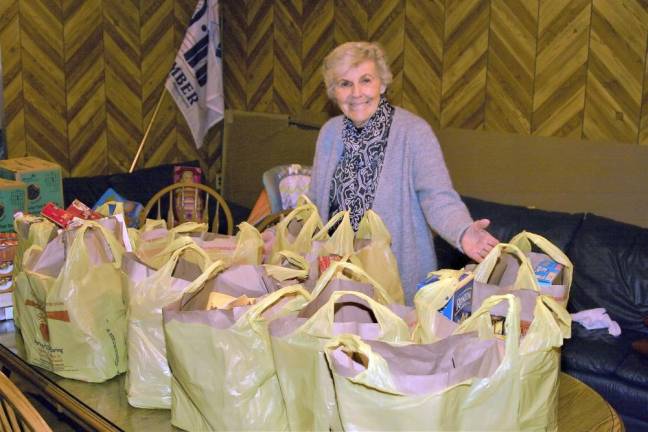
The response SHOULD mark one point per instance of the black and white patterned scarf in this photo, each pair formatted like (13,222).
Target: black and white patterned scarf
(356,175)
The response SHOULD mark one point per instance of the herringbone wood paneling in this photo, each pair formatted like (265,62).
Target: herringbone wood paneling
(82,78)
(260,56)
(124,99)
(287,72)
(43,62)
(561,68)
(14,98)
(235,54)
(511,65)
(157,39)
(464,64)
(614,88)
(317,42)
(351,21)
(423,58)
(85,92)
(387,26)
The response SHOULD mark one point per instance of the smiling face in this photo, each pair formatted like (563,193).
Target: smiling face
(357,92)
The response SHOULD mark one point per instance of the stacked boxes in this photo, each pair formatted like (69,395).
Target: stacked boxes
(42,179)
(13,198)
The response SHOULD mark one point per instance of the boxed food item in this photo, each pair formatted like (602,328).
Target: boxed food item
(43,180)
(13,198)
(459,307)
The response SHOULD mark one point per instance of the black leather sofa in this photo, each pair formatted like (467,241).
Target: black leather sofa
(610,270)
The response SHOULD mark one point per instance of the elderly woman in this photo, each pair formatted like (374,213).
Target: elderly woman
(381,157)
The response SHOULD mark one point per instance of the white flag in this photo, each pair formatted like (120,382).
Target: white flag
(196,78)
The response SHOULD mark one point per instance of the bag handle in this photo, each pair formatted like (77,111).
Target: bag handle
(372,227)
(376,374)
(393,328)
(302,242)
(526,276)
(480,321)
(188,227)
(116,249)
(341,241)
(213,269)
(170,265)
(282,273)
(433,296)
(336,267)
(551,324)
(253,314)
(523,241)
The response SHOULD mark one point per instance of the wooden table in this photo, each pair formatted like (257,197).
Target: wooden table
(104,406)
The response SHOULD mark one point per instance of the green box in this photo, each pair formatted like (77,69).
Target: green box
(13,198)
(43,180)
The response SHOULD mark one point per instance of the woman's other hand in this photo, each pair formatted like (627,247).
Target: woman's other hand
(476,241)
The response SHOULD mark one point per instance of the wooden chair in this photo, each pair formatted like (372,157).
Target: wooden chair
(16,412)
(195,191)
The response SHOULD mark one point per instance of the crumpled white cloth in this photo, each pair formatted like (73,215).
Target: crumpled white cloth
(596,319)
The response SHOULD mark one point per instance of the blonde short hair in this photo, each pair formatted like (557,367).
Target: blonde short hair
(351,54)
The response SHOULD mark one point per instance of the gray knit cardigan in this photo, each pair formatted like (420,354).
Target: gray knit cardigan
(414,192)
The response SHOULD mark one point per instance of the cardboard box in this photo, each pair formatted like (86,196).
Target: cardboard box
(43,180)
(13,198)
(459,307)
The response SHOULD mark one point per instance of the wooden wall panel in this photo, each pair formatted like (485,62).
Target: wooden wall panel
(618,31)
(464,64)
(85,92)
(41,36)
(14,98)
(158,48)
(423,58)
(561,68)
(234,53)
(82,78)
(124,101)
(351,21)
(287,71)
(643,130)
(511,65)
(317,42)
(260,56)
(386,26)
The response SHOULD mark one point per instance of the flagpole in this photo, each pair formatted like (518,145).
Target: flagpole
(148,129)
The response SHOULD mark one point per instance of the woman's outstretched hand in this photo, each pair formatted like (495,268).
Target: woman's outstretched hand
(476,241)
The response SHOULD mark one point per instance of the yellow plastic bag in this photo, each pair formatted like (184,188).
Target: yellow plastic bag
(30,230)
(374,254)
(154,247)
(519,395)
(223,372)
(525,240)
(75,316)
(291,267)
(298,343)
(295,231)
(246,247)
(148,383)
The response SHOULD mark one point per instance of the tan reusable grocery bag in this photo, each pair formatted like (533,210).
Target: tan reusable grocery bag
(223,373)
(520,394)
(298,342)
(75,323)
(374,254)
(148,383)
